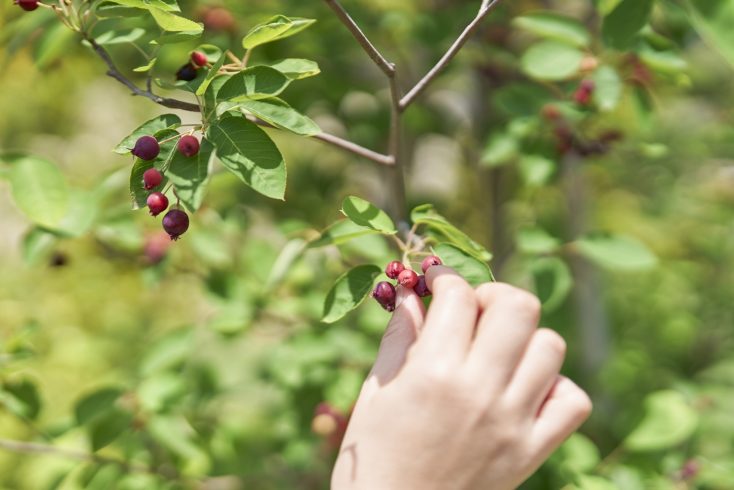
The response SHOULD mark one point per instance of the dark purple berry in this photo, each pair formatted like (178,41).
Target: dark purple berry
(157,203)
(421,288)
(175,222)
(394,269)
(186,72)
(198,58)
(429,262)
(146,148)
(583,93)
(152,178)
(188,145)
(408,279)
(28,5)
(384,293)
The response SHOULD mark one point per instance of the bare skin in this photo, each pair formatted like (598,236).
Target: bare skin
(467,395)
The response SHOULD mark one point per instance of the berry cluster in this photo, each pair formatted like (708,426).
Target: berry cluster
(189,71)
(147,148)
(385,293)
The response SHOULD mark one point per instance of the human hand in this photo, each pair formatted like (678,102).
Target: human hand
(467,395)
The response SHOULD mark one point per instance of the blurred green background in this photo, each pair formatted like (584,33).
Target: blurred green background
(203,369)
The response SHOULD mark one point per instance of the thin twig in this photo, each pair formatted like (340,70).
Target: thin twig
(384,65)
(408,99)
(36,448)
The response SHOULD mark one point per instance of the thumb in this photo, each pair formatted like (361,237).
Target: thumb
(401,332)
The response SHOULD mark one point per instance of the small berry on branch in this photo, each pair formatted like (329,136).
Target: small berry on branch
(146,148)
(175,222)
(429,262)
(408,279)
(157,203)
(188,145)
(394,269)
(152,178)
(384,293)
(186,72)
(27,5)
(583,93)
(198,59)
(421,288)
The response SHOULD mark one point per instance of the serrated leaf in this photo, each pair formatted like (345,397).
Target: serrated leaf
(297,68)
(470,268)
(624,22)
(249,153)
(364,213)
(551,60)
(555,26)
(190,175)
(165,121)
(170,22)
(281,115)
(669,421)
(427,215)
(349,291)
(274,29)
(341,232)
(96,404)
(39,190)
(257,82)
(608,88)
(616,252)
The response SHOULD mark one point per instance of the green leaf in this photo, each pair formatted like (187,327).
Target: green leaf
(147,67)
(588,482)
(551,60)
(55,42)
(427,215)
(668,422)
(616,252)
(21,397)
(257,82)
(281,115)
(168,150)
(663,61)
(166,121)
(211,74)
(501,149)
(37,245)
(39,190)
(120,37)
(249,153)
(577,455)
(190,175)
(556,27)
(173,23)
(82,214)
(536,170)
(364,213)
(473,270)
(168,6)
(536,241)
(106,428)
(624,22)
(713,19)
(341,232)
(96,404)
(553,281)
(296,68)
(275,28)
(349,291)
(608,88)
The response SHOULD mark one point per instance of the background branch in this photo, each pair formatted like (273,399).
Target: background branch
(419,87)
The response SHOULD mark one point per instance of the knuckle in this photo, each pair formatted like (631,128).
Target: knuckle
(553,341)
(583,405)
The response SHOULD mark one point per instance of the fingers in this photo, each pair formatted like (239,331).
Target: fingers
(509,318)
(538,370)
(566,408)
(451,319)
(401,332)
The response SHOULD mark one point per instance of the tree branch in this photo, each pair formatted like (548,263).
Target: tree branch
(36,448)
(384,65)
(419,87)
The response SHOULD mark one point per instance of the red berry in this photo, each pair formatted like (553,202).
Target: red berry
(384,293)
(152,178)
(27,5)
(188,145)
(394,269)
(421,288)
(146,148)
(157,203)
(583,93)
(551,112)
(156,247)
(198,58)
(186,73)
(429,262)
(175,222)
(408,279)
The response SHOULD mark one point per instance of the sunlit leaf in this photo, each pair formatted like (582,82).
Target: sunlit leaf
(364,213)
(349,291)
